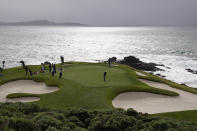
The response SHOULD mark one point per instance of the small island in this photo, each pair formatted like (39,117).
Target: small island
(40,23)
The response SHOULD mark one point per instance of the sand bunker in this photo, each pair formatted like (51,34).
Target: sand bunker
(153,103)
(24,86)
(140,74)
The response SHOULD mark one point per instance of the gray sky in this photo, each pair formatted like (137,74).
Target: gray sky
(102,12)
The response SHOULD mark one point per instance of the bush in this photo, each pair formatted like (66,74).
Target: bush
(20,124)
(132,112)
(51,129)
(45,121)
(163,125)
(76,120)
(29,108)
(81,116)
(28,117)
(3,122)
(111,122)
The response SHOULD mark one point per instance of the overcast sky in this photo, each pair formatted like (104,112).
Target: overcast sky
(102,12)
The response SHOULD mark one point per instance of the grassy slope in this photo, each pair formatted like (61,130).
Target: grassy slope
(19,95)
(165,81)
(82,85)
(190,115)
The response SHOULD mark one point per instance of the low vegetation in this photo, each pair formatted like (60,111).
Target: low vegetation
(190,115)
(168,82)
(31,117)
(19,95)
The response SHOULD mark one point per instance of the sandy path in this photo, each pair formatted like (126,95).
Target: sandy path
(153,103)
(24,86)
(114,65)
(140,74)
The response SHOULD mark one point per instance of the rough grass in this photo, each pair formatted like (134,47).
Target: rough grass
(168,82)
(190,115)
(82,85)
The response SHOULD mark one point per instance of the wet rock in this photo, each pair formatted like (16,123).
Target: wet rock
(46,62)
(160,75)
(161,65)
(168,67)
(191,71)
(113,59)
(136,63)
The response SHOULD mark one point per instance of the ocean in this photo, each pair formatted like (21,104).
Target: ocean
(174,47)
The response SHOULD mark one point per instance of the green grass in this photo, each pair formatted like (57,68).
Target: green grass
(168,82)
(190,115)
(19,95)
(82,85)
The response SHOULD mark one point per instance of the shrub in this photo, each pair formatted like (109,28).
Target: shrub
(76,120)
(111,122)
(80,116)
(3,122)
(19,116)
(29,108)
(51,129)
(21,124)
(163,125)
(68,126)
(44,121)
(132,112)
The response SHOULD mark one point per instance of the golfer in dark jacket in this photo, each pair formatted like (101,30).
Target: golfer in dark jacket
(60,73)
(54,68)
(49,67)
(105,73)
(26,70)
(22,63)
(3,62)
(109,62)
(53,72)
(30,72)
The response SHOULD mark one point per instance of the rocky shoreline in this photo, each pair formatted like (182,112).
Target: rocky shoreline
(134,62)
(192,71)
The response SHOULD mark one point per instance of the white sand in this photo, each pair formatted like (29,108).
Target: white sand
(24,86)
(153,103)
(140,74)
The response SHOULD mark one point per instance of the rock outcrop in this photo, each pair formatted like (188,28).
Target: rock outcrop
(136,63)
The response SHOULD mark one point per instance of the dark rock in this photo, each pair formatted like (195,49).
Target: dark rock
(161,75)
(136,63)
(46,62)
(161,65)
(113,59)
(183,84)
(168,67)
(131,60)
(191,71)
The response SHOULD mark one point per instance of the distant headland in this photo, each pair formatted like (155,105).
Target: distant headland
(40,23)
